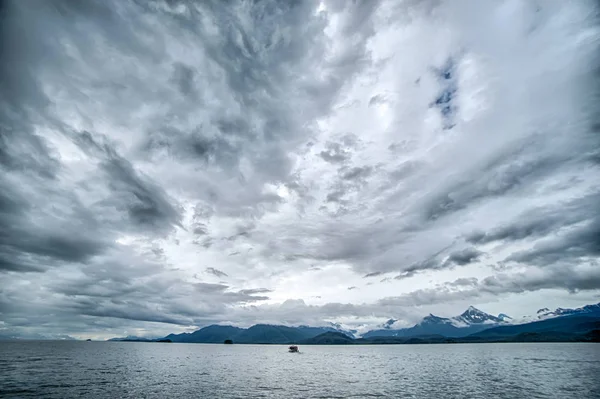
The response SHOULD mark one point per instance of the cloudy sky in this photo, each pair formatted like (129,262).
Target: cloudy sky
(169,164)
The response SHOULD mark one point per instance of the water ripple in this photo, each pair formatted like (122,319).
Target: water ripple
(131,370)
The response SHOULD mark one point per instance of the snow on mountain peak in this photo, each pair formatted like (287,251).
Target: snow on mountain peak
(388,324)
(475,316)
(545,313)
(433,319)
(504,317)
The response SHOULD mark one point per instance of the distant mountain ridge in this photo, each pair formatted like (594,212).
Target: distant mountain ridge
(473,325)
(257,334)
(577,329)
(213,334)
(131,338)
(546,313)
(569,324)
(569,328)
(469,322)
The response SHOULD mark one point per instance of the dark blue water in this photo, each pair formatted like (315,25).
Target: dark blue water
(152,370)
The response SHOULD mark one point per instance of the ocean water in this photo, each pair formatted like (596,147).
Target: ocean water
(58,369)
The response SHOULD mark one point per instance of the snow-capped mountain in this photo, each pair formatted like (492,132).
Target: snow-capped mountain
(337,327)
(470,321)
(388,324)
(434,320)
(475,316)
(546,313)
(505,317)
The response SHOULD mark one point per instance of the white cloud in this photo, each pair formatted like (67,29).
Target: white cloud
(169,158)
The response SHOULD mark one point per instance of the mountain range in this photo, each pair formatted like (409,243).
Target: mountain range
(473,325)
(257,334)
(546,313)
(469,322)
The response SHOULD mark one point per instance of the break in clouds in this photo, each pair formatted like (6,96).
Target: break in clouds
(169,164)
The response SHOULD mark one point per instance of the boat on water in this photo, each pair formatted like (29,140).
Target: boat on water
(293,349)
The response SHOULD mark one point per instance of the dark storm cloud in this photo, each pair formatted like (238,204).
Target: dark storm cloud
(241,296)
(26,160)
(67,247)
(253,291)
(194,146)
(541,221)
(209,288)
(335,153)
(77,230)
(217,128)
(247,119)
(440,260)
(10,262)
(20,148)
(336,196)
(33,239)
(111,277)
(437,262)
(349,180)
(146,204)
(183,78)
(111,288)
(377,99)
(131,313)
(465,256)
(25,151)
(581,242)
(464,282)
(356,173)
(296,311)
(200,229)
(571,278)
(433,263)
(429,296)
(577,240)
(517,167)
(404,275)
(216,272)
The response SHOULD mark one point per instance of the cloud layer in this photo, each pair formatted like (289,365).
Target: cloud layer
(170,164)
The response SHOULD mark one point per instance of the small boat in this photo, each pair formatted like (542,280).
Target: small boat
(293,349)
